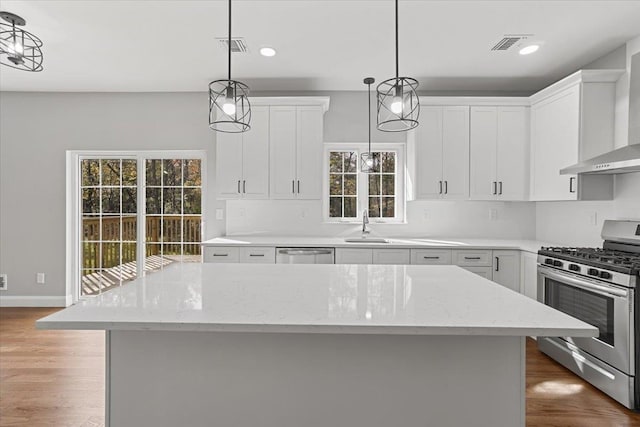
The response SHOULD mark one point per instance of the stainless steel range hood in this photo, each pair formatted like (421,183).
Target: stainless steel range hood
(625,159)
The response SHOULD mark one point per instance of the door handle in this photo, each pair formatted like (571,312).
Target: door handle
(298,186)
(220,254)
(431,257)
(446,187)
(497,263)
(440,184)
(571,190)
(500,192)
(472,257)
(293,186)
(238,186)
(256,254)
(495,188)
(244,187)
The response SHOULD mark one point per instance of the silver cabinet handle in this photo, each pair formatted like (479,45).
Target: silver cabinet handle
(238,186)
(220,254)
(497,264)
(571,189)
(446,187)
(431,257)
(472,257)
(440,184)
(500,192)
(298,186)
(293,186)
(244,187)
(256,254)
(495,188)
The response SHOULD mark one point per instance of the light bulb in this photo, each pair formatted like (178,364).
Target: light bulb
(529,49)
(396,105)
(369,162)
(18,49)
(229,107)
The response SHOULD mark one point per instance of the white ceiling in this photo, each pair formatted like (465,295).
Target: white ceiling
(99,45)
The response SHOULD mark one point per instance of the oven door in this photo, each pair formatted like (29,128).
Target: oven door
(605,306)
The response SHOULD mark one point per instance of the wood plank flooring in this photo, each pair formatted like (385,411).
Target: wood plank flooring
(56,378)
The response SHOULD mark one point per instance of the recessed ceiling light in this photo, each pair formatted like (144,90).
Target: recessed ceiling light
(267,51)
(529,49)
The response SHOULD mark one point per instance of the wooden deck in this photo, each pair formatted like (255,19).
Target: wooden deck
(96,283)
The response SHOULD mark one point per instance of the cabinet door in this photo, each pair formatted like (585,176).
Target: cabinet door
(555,124)
(354,256)
(506,269)
(470,257)
(481,271)
(309,153)
(484,135)
(282,147)
(428,148)
(529,274)
(255,155)
(229,165)
(258,255)
(512,153)
(431,256)
(215,254)
(455,152)
(392,256)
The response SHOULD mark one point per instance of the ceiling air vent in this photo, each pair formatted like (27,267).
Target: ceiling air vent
(238,45)
(509,41)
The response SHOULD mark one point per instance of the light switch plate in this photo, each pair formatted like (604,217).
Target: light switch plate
(219,214)
(3,282)
(40,278)
(493,214)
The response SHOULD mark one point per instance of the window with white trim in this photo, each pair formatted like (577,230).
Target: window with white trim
(348,191)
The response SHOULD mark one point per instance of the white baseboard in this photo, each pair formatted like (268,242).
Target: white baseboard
(34,301)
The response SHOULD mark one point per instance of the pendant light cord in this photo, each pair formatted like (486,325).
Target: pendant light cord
(229,46)
(397,67)
(369,106)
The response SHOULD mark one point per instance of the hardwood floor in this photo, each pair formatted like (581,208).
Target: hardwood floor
(56,378)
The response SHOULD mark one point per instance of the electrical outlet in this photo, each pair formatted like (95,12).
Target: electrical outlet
(593,218)
(3,282)
(493,214)
(219,214)
(40,278)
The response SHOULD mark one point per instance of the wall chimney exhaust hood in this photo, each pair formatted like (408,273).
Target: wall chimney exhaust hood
(625,159)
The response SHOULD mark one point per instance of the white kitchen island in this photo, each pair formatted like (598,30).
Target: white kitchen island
(274,345)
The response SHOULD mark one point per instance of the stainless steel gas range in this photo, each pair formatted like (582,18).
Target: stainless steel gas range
(598,286)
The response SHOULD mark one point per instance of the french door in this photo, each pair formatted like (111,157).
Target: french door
(131,207)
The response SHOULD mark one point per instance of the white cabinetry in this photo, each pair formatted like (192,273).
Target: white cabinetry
(431,256)
(439,150)
(354,256)
(258,255)
(242,160)
(392,256)
(571,121)
(254,255)
(529,274)
(220,254)
(499,153)
(506,269)
(296,152)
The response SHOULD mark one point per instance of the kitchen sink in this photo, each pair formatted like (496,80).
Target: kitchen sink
(366,240)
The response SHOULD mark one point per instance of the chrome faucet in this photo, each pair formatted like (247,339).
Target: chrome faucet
(365,221)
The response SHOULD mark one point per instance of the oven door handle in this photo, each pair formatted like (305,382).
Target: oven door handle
(582,284)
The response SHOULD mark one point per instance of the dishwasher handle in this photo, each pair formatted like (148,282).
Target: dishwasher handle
(305,252)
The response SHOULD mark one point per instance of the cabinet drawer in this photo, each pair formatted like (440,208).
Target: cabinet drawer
(258,255)
(471,258)
(431,256)
(218,254)
(392,256)
(485,272)
(354,256)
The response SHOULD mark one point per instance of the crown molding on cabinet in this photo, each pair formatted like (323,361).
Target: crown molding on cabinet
(582,76)
(297,101)
(473,101)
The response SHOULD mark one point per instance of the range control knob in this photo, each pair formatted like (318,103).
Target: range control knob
(574,267)
(605,275)
(548,261)
(557,263)
(593,272)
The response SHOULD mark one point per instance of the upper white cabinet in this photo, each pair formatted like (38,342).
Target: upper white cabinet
(295,152)
(242,160)
(440,149)
(571,121)
(499,153)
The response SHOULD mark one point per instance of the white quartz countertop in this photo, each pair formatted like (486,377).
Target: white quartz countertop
(331,299)
(394,242)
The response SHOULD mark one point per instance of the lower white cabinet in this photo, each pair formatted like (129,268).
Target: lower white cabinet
(354,256)
(255,255)
(392,256)
(529,274)
(431,256)
(481,271)
(506,269)
(472,258)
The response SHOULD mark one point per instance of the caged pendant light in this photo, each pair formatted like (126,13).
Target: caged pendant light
(368,162)
(19,49)
(398,104)
(229,108)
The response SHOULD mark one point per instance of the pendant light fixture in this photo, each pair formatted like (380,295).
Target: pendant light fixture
(19,49)
(398,104)
(229,108)
(368,162)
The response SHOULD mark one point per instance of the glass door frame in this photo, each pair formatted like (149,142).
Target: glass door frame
(73,241)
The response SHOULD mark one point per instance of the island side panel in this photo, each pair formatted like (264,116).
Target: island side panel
(164,378)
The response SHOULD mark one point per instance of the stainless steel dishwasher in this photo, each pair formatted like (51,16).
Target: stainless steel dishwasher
(304,255)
